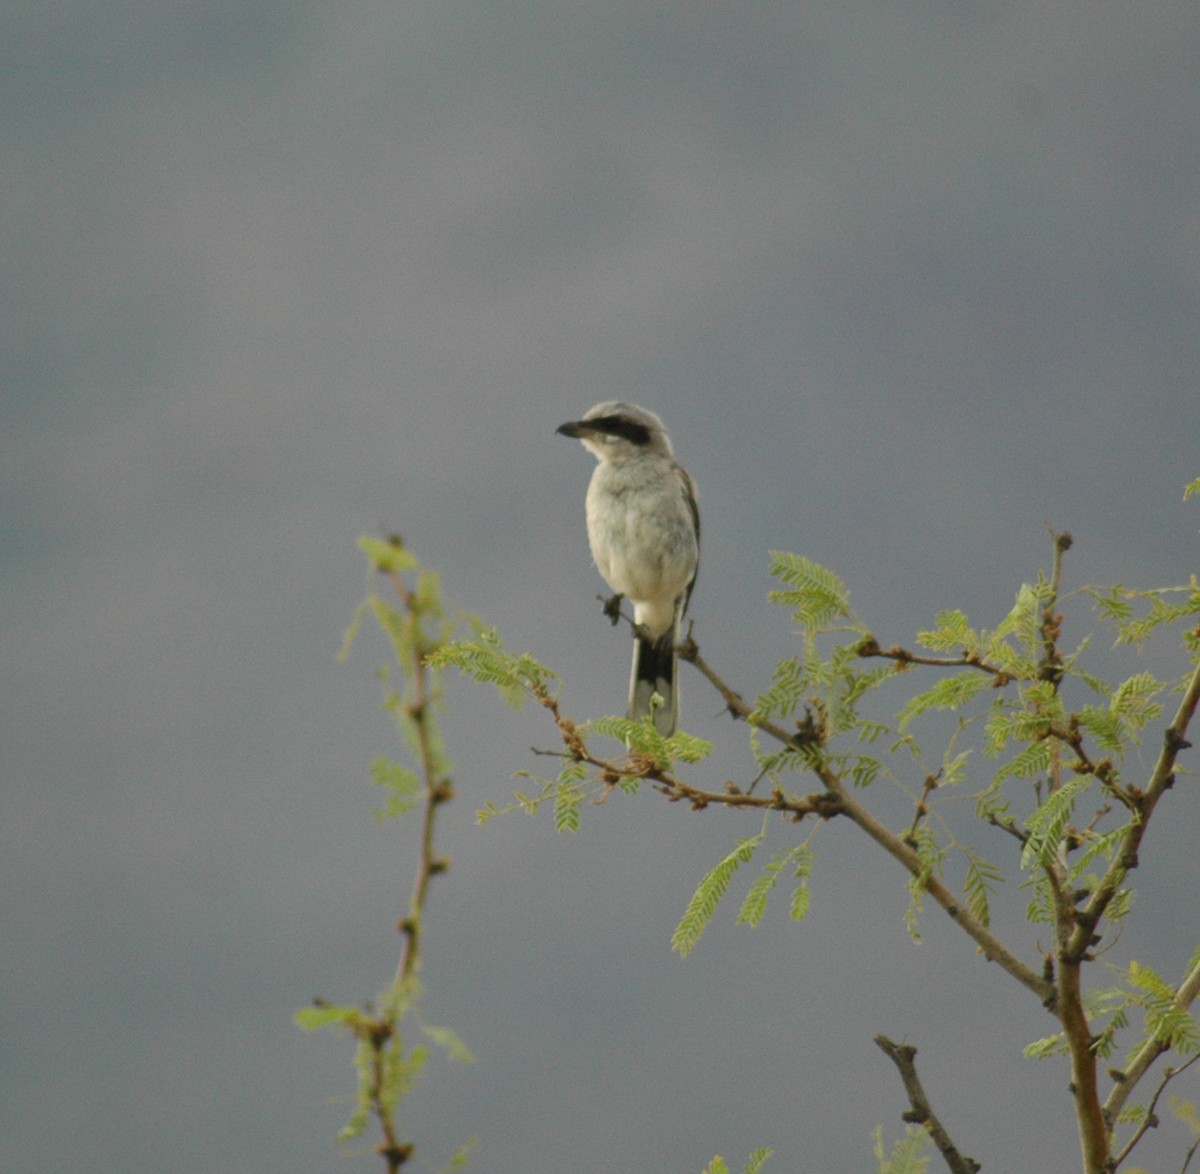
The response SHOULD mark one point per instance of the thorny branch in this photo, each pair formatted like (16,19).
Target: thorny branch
(1185,996)
(380,1029)
(834,800)
(840,802)
(970,660)
(1150,1120)
(1076,924)
(921,1113)
(644,766)
(1094,1137)
(436,791)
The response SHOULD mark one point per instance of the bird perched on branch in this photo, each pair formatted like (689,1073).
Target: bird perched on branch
(644,531)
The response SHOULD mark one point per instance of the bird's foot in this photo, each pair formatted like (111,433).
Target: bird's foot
(612,609)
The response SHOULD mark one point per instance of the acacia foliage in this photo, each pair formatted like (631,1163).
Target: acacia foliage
(1063,760)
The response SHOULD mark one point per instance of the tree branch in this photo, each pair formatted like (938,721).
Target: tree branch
(1089,1116)
(1150,1120)
(1185,996)
(870,647)
(921,1113)
(644,766)
(845,804)
(1050,667)
(1161,779)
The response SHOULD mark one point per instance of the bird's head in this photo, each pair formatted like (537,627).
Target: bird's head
(616,432)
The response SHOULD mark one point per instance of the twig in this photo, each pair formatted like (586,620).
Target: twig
(1185,996)
(1071,948)
(644,766)
(870,648)
(1162,779)
(1050,668)
(921,1113)
(1187,1160)
(378,1031)
(1150,1120)
(436,792)
(921,808)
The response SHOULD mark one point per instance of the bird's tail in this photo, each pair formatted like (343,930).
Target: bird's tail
(656,670)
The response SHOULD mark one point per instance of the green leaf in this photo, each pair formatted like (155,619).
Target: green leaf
(1023,620)
(932,857)
(954,768)
(1048,823)
(952,633)
(1104,727)
(399,626)
(1040,910)
(800,902)
(787,689)
(323,1015)
(798,861)
(1041,1049)
(460,1158)
(364,1056)
(1138,630)
(870,732)
(719,1166)
(817,596)
(567,797)
(1102,847)
(712,888)
(449,1042)
(907,1155)
(981,881)
(1165,1019)
(387,555)
(755,903)
(758,1159)
(1132,702)
(1033,760)
(1132,1115)
(1113,603)
(352,629)
(865,770)
(949,693)
(487,661)
(1186,1112)
(403,785)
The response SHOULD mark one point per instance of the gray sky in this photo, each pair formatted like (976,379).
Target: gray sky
(906,282)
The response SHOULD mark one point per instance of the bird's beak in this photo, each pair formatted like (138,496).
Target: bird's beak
(576,429)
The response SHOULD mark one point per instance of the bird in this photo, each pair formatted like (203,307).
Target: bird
(644,532)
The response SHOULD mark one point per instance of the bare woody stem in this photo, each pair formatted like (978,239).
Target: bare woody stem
(381,1031)
(436,791)
(921,1112)
(1094,1137)
(1149,1120)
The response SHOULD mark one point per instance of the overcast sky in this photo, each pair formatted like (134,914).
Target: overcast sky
(907,283)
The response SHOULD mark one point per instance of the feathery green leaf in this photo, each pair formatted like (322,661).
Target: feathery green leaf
(817,596)
(1048,823)
(949,693)
(799,861)
(712,888)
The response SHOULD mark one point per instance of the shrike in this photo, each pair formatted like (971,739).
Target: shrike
(644,531)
